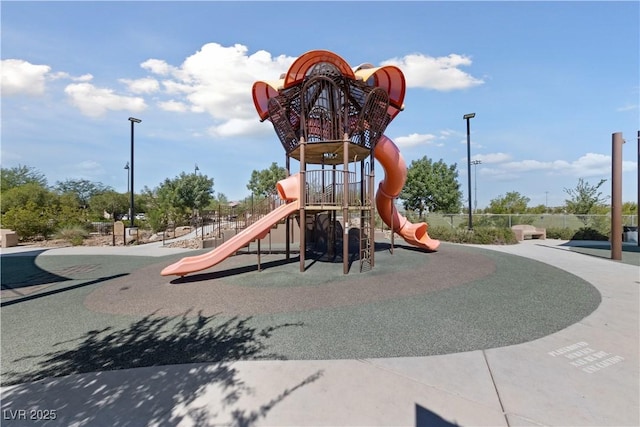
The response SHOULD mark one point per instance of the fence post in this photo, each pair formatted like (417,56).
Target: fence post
(616,196)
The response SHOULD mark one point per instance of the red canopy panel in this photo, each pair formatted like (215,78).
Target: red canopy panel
(389,78)
(262,91)
(298,70)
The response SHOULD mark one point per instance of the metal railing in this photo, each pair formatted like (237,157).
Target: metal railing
(326,188)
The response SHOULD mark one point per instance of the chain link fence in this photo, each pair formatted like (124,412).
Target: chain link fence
(568,221)
(573,222)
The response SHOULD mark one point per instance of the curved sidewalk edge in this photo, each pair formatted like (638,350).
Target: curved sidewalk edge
(155,249)
(586,374)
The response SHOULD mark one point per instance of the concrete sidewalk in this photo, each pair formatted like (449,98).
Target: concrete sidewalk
(587,374)
(155,249)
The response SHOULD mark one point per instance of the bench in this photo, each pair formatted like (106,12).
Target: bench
(525,231)
(8,238)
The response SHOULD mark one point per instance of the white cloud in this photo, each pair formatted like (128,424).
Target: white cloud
(95,102)
(89,168)
(473,144)
(497,174)
(236,127)
(588,165)
(218,80)
(22,77)
(83,78)
(157,66)
(439,73)
(64,75)
(173,106)
(492,157)
(628,107)
(144,85)
(174,88)
(416,139)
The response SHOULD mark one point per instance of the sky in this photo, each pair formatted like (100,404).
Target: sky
(549,82)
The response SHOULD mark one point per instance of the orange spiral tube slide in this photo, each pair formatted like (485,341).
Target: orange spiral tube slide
(387,153)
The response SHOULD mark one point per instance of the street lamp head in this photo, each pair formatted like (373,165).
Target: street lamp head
(469,116)
(134,120)
(126,166)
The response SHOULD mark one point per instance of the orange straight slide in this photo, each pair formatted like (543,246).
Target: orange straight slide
(395,169)
(288,189)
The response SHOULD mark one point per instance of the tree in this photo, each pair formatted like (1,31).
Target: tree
(176,199)
(218,200)
(432,186)
(82,189)
(263,183)
(20,175)
(540,209)
(511,203)
(29,192)
(111,202)
(629,208)
(584,198)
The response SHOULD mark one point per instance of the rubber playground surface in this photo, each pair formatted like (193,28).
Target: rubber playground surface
(411,304)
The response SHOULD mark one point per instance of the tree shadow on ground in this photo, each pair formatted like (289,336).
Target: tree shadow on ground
(163,395)
(20,270)
(600,245)
(630,252)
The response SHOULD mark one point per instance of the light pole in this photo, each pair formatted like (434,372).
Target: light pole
(127,168)
(475,163)
(132,211)
(467,117)
(546,201)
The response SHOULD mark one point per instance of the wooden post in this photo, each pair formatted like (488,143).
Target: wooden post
(616,196)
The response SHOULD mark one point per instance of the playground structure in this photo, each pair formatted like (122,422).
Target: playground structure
(329,117)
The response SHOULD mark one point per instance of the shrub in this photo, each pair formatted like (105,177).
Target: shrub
(29,221)
(588,233)
(493,236)
(479,235)
(73,234)
(560,233)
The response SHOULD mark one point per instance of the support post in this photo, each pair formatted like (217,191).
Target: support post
(393,233)
(345,205)
(372,181)
(616,196)
(287,221)
(303,202)
(331,239)
(259,267)
(363,198)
